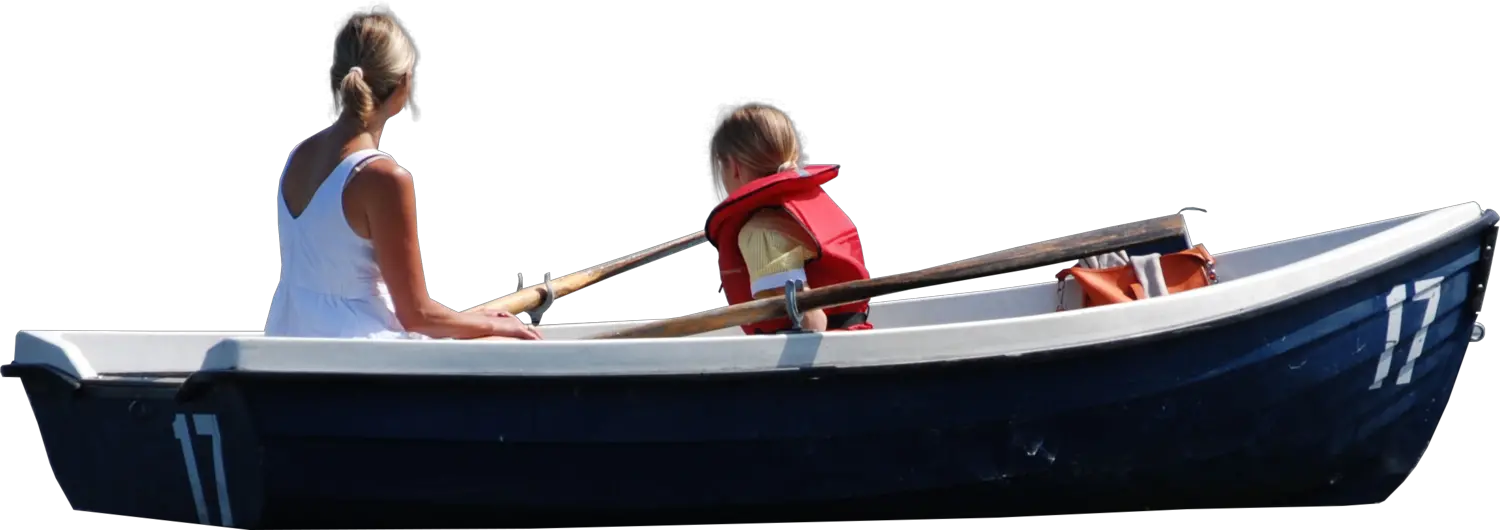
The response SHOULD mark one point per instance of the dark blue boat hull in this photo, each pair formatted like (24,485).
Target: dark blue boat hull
(1274,409)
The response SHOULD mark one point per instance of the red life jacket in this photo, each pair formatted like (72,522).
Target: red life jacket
(839,257)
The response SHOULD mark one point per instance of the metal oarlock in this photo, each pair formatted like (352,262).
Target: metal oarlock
(792,313)
(1188,221)
(548,296)
(1476,334)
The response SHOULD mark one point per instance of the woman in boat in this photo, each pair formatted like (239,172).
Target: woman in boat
(350,263)
(775,224)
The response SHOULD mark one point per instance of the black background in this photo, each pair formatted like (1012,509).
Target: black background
(149,143)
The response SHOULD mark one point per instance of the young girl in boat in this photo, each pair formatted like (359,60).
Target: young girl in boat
(346,213)
(775,224)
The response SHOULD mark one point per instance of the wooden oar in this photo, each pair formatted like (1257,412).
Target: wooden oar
(535,299)
(1058,250)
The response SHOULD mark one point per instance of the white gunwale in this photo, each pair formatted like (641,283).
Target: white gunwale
(1005,322)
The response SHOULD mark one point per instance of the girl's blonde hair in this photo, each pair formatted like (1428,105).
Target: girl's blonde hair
(757,137)
(371,57)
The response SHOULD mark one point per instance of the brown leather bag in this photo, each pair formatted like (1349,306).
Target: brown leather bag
(1183,271)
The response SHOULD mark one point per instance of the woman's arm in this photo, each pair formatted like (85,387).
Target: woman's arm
(383,197)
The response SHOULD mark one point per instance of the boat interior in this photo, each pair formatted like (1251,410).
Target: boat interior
(1012,320)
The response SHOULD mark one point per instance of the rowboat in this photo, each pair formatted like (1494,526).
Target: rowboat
(1313,373)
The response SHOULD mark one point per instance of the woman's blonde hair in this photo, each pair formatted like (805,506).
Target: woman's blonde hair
(759,138)
(371,57)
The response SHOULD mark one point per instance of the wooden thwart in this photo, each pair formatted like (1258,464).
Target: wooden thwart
(1049,252)
(531,297)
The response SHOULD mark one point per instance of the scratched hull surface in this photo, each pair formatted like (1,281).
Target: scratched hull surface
(1299,404)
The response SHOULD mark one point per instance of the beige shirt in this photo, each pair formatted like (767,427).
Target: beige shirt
(775,249)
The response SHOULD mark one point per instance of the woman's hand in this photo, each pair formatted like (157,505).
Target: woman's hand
(508,326)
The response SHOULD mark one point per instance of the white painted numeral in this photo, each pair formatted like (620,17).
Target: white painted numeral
(1428,290)
(205,425)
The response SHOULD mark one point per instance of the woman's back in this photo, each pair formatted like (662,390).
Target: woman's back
(330,284)
(351,266)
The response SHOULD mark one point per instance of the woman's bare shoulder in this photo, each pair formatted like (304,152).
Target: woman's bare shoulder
(382,174)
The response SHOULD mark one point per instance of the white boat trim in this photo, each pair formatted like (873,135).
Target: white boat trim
(729,352)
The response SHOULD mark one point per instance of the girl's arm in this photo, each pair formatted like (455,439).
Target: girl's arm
(775,249)
(815,320)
